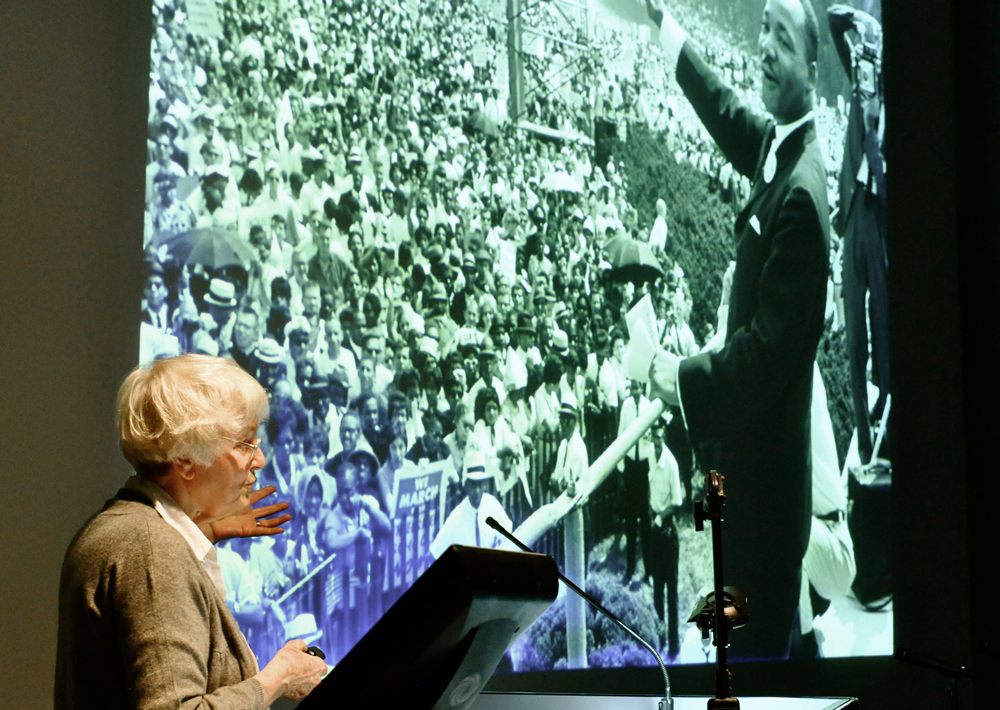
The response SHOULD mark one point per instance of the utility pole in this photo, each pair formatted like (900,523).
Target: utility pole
(515,60)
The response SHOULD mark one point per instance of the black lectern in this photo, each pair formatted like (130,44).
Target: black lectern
(441,641)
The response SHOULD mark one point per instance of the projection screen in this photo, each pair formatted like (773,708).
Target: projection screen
(420,225)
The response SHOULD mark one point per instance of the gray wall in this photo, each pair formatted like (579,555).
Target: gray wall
(72,151)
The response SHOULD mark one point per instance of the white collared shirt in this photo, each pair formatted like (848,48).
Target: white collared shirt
(781,132)
(176,518)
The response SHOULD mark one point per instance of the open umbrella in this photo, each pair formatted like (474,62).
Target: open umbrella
(632,261)
(560,181)
(211,247)
(217,248)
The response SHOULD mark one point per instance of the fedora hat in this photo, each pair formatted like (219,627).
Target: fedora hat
(560,342)
(303,627)
(525,323)
(221,293)
(438,292)
(475,466)
(567,404)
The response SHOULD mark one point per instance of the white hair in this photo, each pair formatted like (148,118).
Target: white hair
(186,408)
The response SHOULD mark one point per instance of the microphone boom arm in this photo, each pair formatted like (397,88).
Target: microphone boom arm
(667,703)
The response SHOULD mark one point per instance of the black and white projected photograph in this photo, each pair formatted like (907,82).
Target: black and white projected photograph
(464,245)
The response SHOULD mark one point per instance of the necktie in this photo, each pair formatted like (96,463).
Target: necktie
(476,523)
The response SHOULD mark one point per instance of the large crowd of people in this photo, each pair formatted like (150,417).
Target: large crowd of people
(338,199)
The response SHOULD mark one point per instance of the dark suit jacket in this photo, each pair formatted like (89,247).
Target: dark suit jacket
(747,406)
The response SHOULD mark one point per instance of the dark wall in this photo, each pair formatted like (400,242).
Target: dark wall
(977,73)
(74,79)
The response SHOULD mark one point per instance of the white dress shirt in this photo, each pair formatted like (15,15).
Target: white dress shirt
(176,518)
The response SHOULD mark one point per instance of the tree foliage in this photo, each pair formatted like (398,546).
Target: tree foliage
(699,221)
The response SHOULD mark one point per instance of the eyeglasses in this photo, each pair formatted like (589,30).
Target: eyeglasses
(247,445)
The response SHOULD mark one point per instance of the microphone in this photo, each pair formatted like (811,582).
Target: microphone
(667,703)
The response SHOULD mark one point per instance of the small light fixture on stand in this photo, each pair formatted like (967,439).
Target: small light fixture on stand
(950,671)
(707,613)
(703,615)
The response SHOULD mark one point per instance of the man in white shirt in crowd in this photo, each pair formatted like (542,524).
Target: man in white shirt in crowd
(571,457)
(611,377)
(205,134)
(661,545)
(317,190)
(373,346)
(163,163)
(658,234)
(545,400)
(338,357)
(274,200)
(525,339)
(635,470)
(266,266)
(466,524)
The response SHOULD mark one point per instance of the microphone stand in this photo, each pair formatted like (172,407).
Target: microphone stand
(948,670)
(715,499)
(667,703)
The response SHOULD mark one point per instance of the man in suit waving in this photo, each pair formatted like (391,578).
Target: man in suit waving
(746,407)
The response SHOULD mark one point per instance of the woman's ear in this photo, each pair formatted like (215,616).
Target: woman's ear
(184,468)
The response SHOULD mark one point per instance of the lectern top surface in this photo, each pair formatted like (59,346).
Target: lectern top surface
(536,701)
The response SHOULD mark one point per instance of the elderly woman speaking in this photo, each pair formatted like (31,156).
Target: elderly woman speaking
(143,621)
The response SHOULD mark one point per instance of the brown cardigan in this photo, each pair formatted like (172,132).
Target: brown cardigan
(140,623)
